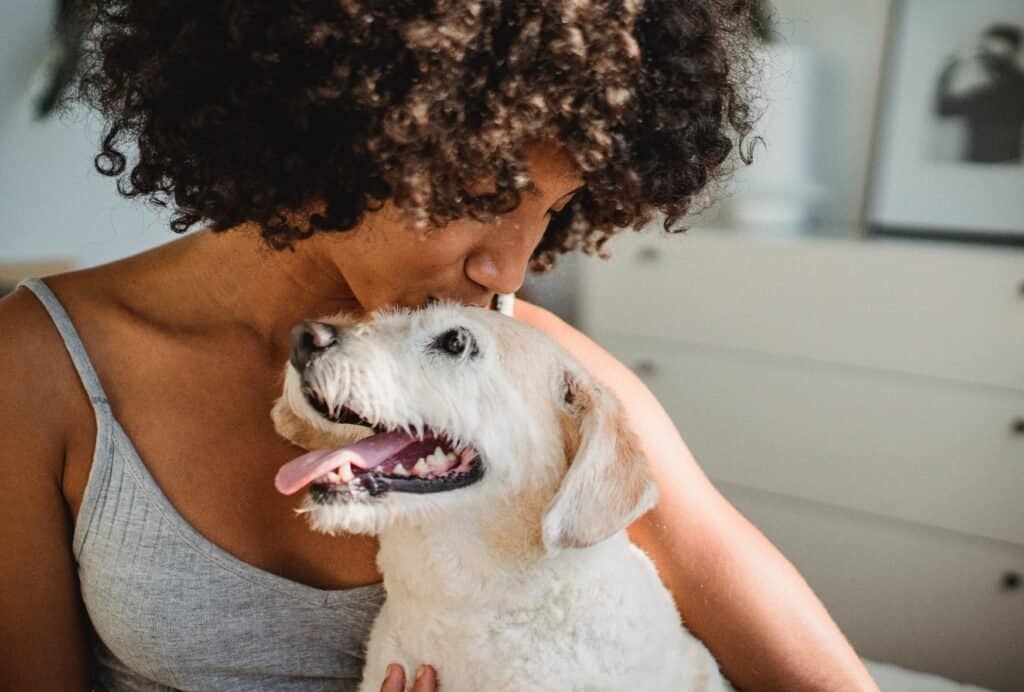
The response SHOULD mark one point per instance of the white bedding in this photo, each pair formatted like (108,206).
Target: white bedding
(892,678)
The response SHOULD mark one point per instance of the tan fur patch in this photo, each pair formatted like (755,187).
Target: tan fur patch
(607,483)
(299,431)
(570,429)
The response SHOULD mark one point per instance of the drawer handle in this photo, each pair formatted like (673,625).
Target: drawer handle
(647,255)
(1011,581)
(1017,426)
(646,368)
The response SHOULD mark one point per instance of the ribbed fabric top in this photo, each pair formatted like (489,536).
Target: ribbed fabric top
(172,610)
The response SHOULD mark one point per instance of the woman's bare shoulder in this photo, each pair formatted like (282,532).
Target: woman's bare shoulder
(31,348)
(533,314)
(549,323)
(593,356)
(38,383)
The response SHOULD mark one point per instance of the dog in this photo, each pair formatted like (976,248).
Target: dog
(500,477)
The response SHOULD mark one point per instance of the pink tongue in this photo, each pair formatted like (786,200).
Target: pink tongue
(366,454)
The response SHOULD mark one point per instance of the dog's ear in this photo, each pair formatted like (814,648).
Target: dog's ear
(302,433)
(607,484)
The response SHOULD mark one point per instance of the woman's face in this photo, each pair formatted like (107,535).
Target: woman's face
(385,261)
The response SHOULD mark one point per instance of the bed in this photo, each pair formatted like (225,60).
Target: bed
(892,678)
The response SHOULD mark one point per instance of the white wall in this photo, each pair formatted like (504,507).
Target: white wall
(53,204)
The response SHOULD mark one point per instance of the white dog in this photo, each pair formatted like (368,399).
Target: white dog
(499,477)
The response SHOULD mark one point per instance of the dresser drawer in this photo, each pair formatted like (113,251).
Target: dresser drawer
(921,598)
(927,451)
(936,309)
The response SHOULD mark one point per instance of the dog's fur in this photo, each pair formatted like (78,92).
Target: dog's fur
(526,579)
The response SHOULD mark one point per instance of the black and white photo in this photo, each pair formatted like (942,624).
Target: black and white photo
(949,157)
(990,106)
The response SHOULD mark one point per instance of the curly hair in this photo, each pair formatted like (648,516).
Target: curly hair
(246,112)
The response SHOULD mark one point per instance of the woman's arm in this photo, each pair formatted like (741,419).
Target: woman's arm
(42,623)
(733,588)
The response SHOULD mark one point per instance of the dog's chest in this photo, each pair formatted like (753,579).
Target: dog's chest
(569,631)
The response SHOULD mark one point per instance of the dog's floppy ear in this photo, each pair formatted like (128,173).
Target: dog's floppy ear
(607,485)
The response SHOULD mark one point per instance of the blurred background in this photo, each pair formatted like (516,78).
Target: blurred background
(839,338)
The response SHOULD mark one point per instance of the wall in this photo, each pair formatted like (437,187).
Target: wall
(53,204)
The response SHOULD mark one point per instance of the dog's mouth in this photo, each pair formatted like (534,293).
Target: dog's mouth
(342,415)
(388,461)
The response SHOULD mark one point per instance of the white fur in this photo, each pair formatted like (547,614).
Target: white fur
(525,580)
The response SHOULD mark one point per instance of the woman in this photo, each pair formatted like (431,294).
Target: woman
(348,155)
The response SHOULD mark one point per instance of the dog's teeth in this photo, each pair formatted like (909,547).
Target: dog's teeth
(400,470)
(437,460)
(450,456)
(332,477)
(421,468)
(345,472)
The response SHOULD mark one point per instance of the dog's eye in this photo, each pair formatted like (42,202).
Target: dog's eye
(458,342)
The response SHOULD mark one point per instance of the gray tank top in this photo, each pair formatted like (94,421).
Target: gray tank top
(170,608)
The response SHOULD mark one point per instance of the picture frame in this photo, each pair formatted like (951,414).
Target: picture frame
(949,145)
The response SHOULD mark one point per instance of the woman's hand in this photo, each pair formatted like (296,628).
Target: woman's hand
(426,679)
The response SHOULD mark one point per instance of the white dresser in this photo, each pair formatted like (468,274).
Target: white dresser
(862,402)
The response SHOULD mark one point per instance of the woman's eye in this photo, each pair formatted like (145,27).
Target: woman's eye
(562,207)
(457,342)
(553,212)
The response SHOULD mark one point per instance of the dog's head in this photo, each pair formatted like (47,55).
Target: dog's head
(454,410)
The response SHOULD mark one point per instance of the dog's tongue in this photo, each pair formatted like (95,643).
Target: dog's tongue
(366,454)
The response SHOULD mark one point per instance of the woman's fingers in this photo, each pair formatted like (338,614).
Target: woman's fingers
(394,681)
(426,679)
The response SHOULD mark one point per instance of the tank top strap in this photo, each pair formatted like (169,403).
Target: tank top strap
(72,341)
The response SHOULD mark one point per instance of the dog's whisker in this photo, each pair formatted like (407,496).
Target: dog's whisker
(347,372)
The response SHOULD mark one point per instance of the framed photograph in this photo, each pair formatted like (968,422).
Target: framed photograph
(949,151)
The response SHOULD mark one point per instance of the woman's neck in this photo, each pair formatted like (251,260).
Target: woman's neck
(206,279)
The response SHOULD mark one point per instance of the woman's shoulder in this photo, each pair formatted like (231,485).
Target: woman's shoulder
(88,291)
(566,335)
(31,341)
(539,317)
(40,390)
(605,366)
(31,353)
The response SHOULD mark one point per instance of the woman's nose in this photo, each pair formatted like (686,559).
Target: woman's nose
(499,265)
(308,339)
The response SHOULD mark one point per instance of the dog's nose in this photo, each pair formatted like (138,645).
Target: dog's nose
(310,338)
